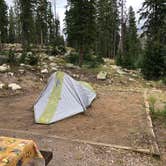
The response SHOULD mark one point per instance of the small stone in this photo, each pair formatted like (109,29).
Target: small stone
(4,68)
(14,86)
(11,74)
(21,71)
(53,64)
(131,79)
(71,66)
(22,64)
(2,85)
(76,75)
(102,75)
(51,58)
(53,69)
(119,71)
(44,71)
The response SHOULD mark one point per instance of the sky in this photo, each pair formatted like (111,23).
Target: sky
(136,4)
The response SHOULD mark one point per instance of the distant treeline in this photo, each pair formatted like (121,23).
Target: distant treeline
(29,22)
(98,28)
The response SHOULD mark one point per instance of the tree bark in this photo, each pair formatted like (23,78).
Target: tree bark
(81,56)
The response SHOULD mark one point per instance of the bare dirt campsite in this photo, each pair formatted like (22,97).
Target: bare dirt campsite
(114,130)
(85,80)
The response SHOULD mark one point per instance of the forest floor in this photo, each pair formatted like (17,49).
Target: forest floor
(117,118)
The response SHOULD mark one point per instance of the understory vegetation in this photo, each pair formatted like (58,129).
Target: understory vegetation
(156,112)
(95,29)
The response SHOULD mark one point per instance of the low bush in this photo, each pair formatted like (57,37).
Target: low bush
(29,58)
(156,113)
(90,61)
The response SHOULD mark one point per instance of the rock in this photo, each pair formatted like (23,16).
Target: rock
(22,65)
(2,85)
(102,75)
(131,79)
(43,56)
(135,75)
(109,61)
(110,81)
(76,75)
(29,53)
(26,66)
(53,69)
(71,66)
(156,90)
(21,71)
(11,74)
(4,68)
(53,64)
(44,71)
(115,67)
(51,58)
(119,71)
(18,55)
(14,86)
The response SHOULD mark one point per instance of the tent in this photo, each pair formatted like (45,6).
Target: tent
(62,97)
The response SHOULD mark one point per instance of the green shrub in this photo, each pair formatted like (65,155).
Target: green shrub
(12,58)
(90,61)
(164,80)
(156,113)
(154,62)
(152,102)
(58,50)
(73,58)
(29,58)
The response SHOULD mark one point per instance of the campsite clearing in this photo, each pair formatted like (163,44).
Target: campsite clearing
(117,118)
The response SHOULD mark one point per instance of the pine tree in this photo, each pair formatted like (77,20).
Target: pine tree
(123,20)
(107,28)
(41,22)
(154,64)
(51,24)
(131,44)
(27,22)
(56,29)
(3,21)
(17,20)
(80,26)
(12,36)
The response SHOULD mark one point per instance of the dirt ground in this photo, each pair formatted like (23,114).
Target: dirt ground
(67,153)
(114,118)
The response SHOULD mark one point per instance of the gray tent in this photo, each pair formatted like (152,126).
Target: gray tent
(62,97)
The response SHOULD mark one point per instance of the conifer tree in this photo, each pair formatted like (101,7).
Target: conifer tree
(27,22)
(123,20)
(51,24)
(154,64)
(12,36)
(41,22)
(107,27)
(131,43)
(17,20)
(3,21)
(80,26)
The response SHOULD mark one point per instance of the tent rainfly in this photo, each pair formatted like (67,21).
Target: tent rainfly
(63,97)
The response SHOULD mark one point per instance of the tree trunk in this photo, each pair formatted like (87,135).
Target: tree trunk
(81,57)
(41,39)
(121,45)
